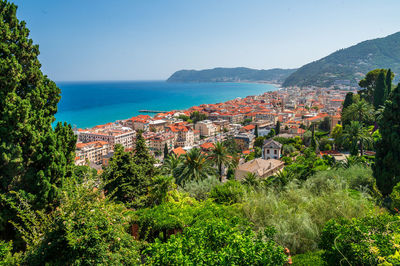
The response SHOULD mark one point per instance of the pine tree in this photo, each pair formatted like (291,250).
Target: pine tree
(387,158)
(142,156)
(380,90)
(125,180)
(166,151)
(34,158)
(348,100)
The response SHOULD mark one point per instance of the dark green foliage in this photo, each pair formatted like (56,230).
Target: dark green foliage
(388,82)
(217,243)
(356,137)
(256,131)
(142,157)
(278,128)
(325,125)
(345,64)
(6,256)
(166,152)
(348,100)
(125,180)
(34,158)
(366,241)
(271,134)
(228,193)
(196,116)
(380,90)
(395,198)
(231,146)
(369,84)
(387,158)
(259,142)
(230,74)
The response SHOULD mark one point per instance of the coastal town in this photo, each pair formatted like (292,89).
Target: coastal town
(242,120)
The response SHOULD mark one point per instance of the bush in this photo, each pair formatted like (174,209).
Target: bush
(300,210)
(200,190)
(6,256)
(309,258)
(229,193)
(216,243)
(368,241)
(395,197)
(160,221)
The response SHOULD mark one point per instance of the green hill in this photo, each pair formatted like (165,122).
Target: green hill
(350,64)
(238,74)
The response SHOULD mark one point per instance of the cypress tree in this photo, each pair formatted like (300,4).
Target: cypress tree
(388,81)
(165,151)
(380,90)
(256,131)
(278,128)
(34,158)
(348,100)
(387,158)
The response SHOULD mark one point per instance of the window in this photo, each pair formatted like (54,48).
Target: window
(267,151)
(275,151)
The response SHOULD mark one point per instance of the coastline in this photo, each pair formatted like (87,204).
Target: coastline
(87,104)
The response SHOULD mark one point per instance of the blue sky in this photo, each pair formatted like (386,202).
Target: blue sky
(150,39)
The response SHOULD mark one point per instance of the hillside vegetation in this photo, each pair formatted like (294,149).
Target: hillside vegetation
(275,75)
(350,64)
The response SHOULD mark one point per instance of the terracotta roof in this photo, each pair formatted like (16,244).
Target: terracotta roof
(179,151)
(207,145)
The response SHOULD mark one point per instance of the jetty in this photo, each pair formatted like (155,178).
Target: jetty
(152,111)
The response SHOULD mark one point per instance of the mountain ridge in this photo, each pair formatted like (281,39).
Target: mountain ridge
(237,74)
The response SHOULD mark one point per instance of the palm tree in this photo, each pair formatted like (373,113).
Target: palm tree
(220,157)
(195,166)
(357,136)
(360,111)
(171,163)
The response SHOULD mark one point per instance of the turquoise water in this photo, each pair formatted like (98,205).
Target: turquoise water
(86,104)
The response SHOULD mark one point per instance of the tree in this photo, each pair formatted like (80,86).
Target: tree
(359,111)
(195,166)
(356,135)
(142,156)
(336,134)
(380,90)
(166,151)
(125,180)
(388,82)
(348,100)
(369,84)
(220,157)
(387,158)
(271,134)
(34,158)
(256,131)
(278,128)
(171,163)
(259,142)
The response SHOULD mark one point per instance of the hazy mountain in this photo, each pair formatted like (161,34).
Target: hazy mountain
(237,74)
(350,64)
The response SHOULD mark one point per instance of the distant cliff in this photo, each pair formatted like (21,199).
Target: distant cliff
(350,64)
(238,74)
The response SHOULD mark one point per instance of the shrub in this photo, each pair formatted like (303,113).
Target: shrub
(171,216)
(228,193)
(300,210)
(216,243)
(395,197)
(309,258)
(200,190)
(367,241)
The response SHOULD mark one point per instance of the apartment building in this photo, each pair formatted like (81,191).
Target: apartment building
(158,141)
(206,128)
(184,135)
(245,141)
(93,151)
(113,135)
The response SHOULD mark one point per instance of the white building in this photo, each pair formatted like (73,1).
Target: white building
(271,149)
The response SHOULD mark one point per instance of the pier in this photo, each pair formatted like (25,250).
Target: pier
(152,111)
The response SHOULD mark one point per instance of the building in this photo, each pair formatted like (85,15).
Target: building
(113,135)
(93,151)
(245,141)
(271,149)
(157,125)
(206,128)
(260,167)
(158,141)
(184,135)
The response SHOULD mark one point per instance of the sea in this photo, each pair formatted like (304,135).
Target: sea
(87,104)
